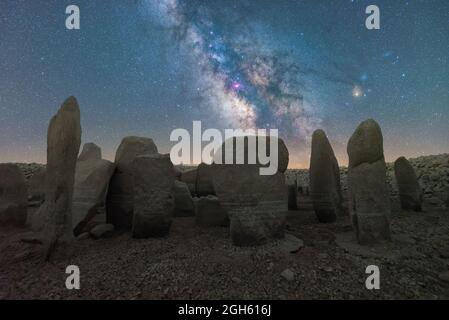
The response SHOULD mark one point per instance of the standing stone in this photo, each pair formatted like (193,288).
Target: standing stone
(199,180)
(367,184)
(204,185)
(13,196)
(90,151)
(209,212)
(92,178)
(184,206)
(256,204)
(324,172)
(153,196)
(293,196)
(447,198)
(189,178)
(63,143)
(410,192)
(119,203)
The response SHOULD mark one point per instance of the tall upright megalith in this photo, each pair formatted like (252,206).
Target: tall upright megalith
(410,193)
(153,181)
(256,203)
(120,198)
(63,143)
(367,184)
(324,172)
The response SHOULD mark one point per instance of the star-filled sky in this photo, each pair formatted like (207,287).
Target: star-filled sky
(146,67)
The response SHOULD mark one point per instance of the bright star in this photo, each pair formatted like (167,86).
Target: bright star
(357,92)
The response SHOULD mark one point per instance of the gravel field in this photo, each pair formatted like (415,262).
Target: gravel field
(196,263)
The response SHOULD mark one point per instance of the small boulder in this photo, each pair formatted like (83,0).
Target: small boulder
(102,231)
(288,275)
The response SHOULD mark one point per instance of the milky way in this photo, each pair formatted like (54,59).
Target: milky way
(251,86)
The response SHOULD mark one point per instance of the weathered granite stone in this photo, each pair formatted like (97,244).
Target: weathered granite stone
(92,178)
(90,152)
(325,187)
(256,225)
(36,187)
(153,196)
(204,185)
(63,143)
(199,180)
(13,196)
(209,212)
(120,197)
(292,197)
(410,193)
(368,192)
(184,206)
(256,204)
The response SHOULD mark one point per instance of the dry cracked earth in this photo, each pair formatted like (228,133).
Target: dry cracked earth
(197,263)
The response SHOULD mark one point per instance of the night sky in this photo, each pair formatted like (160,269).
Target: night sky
(146,67)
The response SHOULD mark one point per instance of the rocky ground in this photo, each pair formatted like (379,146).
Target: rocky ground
(432,172)
(315,261)
(196,263)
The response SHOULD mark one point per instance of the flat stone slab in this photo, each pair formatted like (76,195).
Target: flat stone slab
(400,247)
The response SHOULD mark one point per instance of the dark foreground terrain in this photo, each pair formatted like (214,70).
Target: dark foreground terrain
(196,263)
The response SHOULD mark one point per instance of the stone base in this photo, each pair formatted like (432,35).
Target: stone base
(150,226)
(252,226)
(326,215)
(371,228)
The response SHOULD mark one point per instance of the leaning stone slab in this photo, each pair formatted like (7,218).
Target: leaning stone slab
(92,178)
(154,179)
(119,203)
(90,152)
(410,192)
(13,196)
